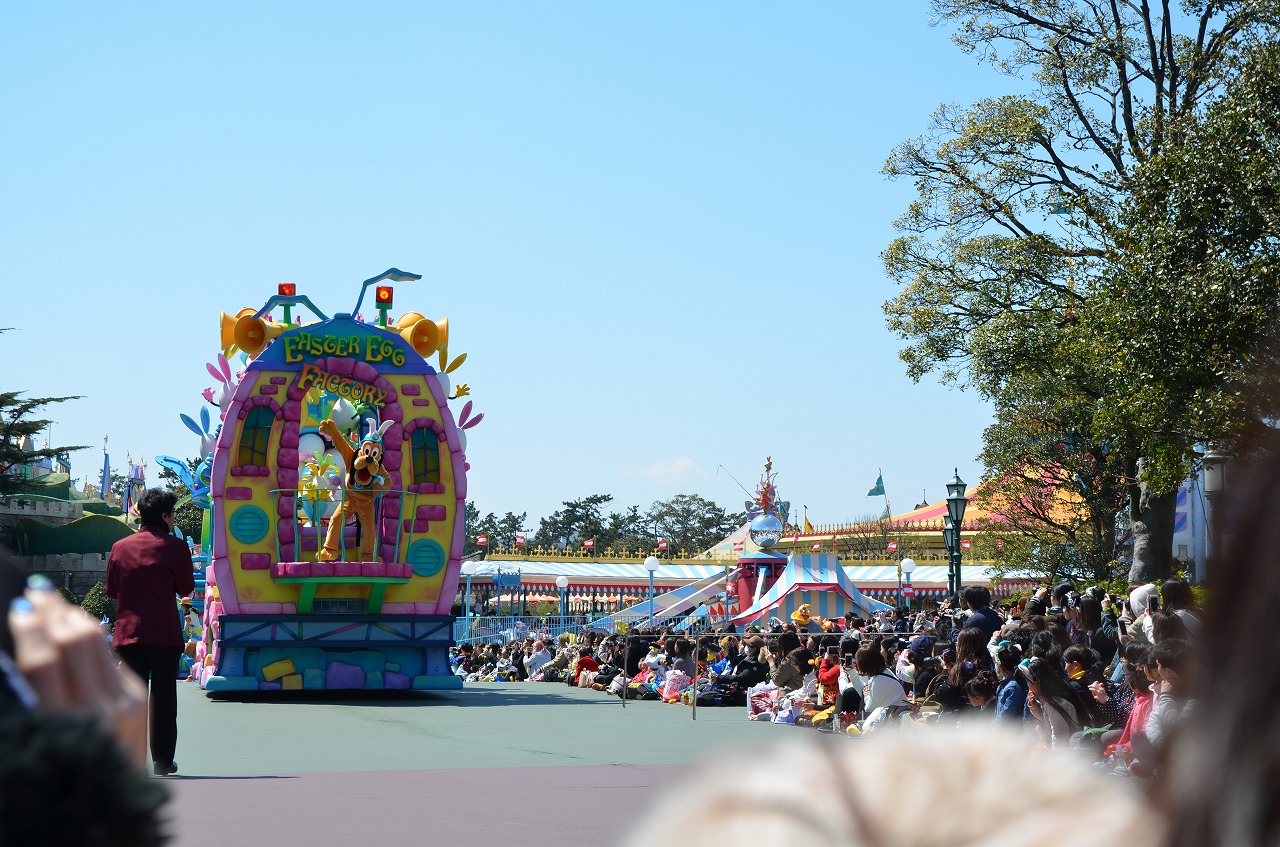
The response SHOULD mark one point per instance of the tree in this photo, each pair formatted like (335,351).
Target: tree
(690,522)
(187,515)
(501,531)
(17,426)
(1054,486)
(97,604)
(997,299)
(471,528)
(577,521)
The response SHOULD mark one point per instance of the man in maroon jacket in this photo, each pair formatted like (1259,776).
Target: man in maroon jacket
(145,574)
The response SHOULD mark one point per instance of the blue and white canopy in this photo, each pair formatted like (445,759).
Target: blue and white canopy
(633,571)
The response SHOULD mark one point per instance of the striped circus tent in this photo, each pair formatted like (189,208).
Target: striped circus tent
(818,580)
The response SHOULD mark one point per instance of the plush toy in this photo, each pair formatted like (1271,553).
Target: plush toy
(365,479)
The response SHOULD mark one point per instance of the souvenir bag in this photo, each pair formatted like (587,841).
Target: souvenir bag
(762,700)
(675,682)
(786,712)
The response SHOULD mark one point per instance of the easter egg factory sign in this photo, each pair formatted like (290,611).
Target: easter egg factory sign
(369,348)
(350,388)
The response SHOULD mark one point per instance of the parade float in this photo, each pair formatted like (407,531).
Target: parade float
(336,484)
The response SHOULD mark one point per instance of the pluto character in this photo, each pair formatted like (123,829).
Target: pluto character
(365,479)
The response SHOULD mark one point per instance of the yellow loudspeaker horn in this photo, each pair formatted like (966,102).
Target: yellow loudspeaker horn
(423,336)
(227,327)
(407,320)
(253,334)
(443,326)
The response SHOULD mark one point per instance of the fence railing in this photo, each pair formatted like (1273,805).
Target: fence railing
(505,628)
(309,530)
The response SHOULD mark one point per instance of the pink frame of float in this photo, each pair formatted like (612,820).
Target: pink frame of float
(279,618)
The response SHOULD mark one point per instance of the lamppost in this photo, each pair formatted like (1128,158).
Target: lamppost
(562,583)
(651,564)
(1215,481)
(956,503)
(948,540)
(907,567)
(469,570)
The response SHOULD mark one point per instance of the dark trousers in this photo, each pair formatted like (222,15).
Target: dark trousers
(158,666)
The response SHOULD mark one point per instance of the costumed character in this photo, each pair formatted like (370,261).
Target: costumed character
(365,479)
(802,617)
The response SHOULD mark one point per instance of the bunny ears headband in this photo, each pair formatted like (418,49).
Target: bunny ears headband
(375,435)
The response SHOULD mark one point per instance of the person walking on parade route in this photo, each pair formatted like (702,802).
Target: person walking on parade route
(145,574)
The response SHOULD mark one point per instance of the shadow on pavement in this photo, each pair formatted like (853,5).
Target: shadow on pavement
(478,697)
(197,777)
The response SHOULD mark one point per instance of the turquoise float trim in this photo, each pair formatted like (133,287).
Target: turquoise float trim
(249,524)
(426,557)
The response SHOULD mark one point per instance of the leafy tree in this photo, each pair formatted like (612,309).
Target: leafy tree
(16,425)
(1054,484)
(690,522)
(687,521)
(1112,135)
(471,526)
(501,531)
(119,483)
(97,604)
(187,515)
(577,521)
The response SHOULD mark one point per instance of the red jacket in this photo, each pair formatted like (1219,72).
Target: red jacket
(585,663)
(145,574)
(829,671)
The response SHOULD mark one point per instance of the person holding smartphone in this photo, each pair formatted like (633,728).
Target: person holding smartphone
(69,716)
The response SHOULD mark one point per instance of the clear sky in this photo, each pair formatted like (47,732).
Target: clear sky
(654,227)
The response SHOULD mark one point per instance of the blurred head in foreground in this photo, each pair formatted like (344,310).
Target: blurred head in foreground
(997,788)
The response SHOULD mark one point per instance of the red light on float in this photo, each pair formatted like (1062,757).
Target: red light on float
(287,289)
(383,297)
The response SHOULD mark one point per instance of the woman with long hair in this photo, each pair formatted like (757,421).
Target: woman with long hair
(971,658)
(1097,630)
(1055,706)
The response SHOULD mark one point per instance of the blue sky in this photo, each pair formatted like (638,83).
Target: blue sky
(654,228)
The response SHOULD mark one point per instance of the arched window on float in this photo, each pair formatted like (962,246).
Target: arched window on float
(255,437)
(424,447)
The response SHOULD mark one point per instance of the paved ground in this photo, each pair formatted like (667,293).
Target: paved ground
(527,764)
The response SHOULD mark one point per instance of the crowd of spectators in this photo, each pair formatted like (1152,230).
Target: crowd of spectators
(1080,669)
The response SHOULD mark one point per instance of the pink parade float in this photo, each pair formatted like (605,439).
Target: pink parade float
(337,488)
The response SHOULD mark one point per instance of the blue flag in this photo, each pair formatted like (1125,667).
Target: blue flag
(106,475)
(886,514)
(878,491)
